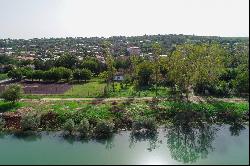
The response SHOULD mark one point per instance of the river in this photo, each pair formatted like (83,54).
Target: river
(214,144)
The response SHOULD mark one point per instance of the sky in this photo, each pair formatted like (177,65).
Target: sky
(103,18)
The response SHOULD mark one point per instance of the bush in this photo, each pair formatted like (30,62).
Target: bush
(83,127)
(12,93)
(104,129)
(2,124)
(69,126)
(30,122)
(49,120)
(147,124)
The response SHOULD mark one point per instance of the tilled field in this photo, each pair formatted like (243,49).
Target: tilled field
(40,88)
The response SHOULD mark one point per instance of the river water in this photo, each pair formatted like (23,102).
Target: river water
(214,144)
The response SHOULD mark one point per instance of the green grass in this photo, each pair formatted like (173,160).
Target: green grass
(143,92)
(90,89)
(95,88)
(3,76)
(212,107)
(8,106)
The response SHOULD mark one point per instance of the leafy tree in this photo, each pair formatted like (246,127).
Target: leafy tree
(104,75)
(8,68)
(191,64)
(135,61)
(12,93)
(38,74)
(156,53)
(26,71)
(122,64)
(52,75)
(49,64)
(241,82)
(24,63)
(15,74)
(83,74)
(144,73)
(67,60)
(65,73)
(110,63)
(39,64)
(93,66)
(6,60)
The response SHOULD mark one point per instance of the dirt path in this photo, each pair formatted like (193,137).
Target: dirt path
(196,99)
(90,99)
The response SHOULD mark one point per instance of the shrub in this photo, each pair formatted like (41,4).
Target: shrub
(30,121)
(83,127)
(104,129)
(147,124)
(69,126)
(2,124)
(49,120)
(12,93)
(150,124)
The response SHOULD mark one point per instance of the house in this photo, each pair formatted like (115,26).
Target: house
(134,50)
(119,76)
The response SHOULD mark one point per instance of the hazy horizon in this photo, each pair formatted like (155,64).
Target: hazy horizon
(120,35)
(28,19)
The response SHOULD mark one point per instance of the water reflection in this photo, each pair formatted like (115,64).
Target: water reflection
(151,137)
(28,136)
(236,129)
(189,142)
(108,142)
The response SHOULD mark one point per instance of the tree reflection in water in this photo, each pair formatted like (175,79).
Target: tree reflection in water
(236,128)
(108,142)
(189,142)
(188,138)
(151,137)
(28,136)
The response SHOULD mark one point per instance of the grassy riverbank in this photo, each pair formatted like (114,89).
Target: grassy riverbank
(53,115)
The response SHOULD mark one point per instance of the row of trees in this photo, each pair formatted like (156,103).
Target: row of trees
(70,62)
(194,67)
(54,74)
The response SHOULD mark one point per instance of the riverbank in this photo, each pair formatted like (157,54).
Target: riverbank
(103,117)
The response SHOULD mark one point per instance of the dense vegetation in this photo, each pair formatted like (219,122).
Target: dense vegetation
(101,119)
(196,64)
(191,65)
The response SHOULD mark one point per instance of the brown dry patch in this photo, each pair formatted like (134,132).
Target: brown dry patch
(12,120)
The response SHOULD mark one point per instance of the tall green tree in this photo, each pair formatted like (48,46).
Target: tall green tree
(145,71)
(191,64)
(156,54)
(110,63)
